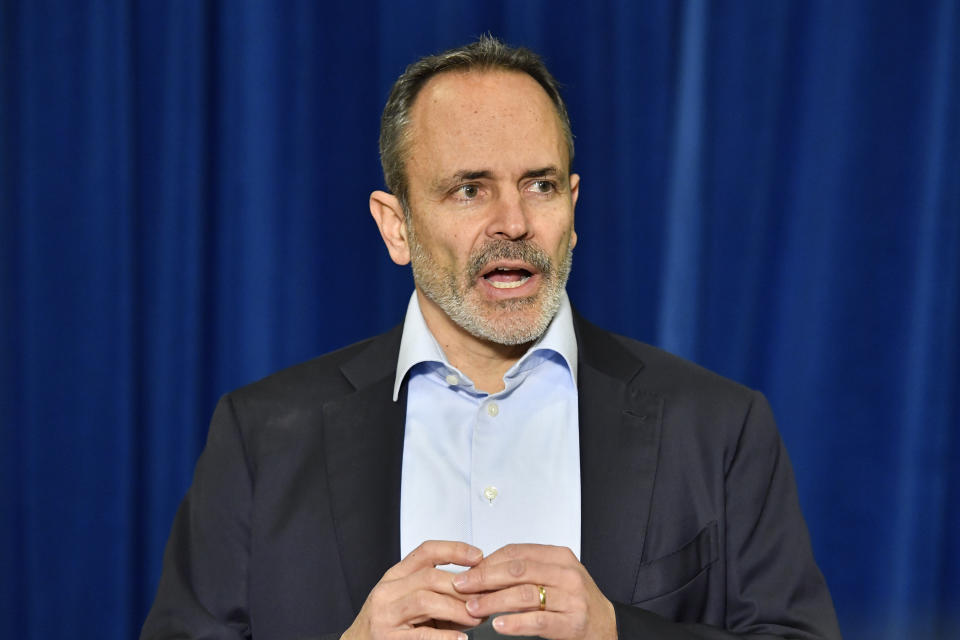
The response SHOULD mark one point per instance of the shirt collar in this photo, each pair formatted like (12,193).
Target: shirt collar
(418,345)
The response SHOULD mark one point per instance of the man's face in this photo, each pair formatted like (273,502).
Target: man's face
(490,226)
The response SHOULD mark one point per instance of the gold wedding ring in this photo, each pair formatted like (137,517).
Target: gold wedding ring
(543,596)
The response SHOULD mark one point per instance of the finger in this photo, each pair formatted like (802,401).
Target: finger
(420,606)
(427,579)
(436,580)
(491,577)
(429,633)
(433,553)
(545,624)
(539,552)
(523,597)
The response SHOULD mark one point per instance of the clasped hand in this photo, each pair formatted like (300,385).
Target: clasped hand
(416,601)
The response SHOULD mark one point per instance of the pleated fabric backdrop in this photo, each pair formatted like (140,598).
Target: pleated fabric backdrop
(771,189)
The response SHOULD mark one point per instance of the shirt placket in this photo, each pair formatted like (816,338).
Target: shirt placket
(486,485)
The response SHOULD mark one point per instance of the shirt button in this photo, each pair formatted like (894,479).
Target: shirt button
(492,411)
(491,493)
(452,380)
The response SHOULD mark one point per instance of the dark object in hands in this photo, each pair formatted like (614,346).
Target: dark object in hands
(485,631)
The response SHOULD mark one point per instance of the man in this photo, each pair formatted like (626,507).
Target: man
(583,484)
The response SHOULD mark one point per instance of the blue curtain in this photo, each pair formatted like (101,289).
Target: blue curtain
(771,189)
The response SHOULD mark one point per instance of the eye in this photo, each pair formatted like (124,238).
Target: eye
(542,186)
(467,191)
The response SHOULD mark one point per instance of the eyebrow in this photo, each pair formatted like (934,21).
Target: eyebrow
(484,174)
(443,184)
(545,172)
(462,176)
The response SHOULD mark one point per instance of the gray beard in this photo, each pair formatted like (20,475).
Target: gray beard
(509,326)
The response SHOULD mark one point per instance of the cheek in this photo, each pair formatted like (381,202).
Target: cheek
(456,242)
(564,238)
(448,248)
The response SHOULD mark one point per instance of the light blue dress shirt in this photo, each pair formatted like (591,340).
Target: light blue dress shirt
(490,469)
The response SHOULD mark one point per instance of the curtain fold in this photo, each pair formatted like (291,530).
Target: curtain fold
(770,189)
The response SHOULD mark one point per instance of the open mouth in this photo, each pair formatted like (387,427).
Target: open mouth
(507,277)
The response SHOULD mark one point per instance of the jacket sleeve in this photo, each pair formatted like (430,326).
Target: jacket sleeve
(774,588)
(203,587)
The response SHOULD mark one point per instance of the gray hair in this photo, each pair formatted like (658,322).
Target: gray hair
(485,54)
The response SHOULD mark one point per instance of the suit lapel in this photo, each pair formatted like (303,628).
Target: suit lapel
(363,438)
(619,445)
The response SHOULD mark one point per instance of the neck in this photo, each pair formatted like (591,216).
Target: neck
(483,361)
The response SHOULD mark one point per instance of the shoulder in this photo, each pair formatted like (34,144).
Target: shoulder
(312,383)
(703,415)
(694,399)
(657,370)
(670,373)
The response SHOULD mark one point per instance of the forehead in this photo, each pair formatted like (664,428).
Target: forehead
(484,120)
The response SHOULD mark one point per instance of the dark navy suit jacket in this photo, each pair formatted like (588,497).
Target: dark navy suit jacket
(690,519)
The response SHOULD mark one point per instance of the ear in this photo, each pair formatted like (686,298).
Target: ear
(574,194)
(388,214)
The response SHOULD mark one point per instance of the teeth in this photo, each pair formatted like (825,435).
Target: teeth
(509,285)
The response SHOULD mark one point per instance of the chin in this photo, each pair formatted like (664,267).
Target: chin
(509,326)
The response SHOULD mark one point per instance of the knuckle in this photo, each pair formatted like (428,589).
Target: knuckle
(421,575)
(410,557)
(434,579)
(392,571)
(579,581)
(511,550)
(529,594)
(517,567)
(540,620)
(438,581)
(573,578)
(401,610)
(421,601)
(578,606)
(425,548)
(377,595)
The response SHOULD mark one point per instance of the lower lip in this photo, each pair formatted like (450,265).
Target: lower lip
(528,288)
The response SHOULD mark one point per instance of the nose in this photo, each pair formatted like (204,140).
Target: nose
(509,218)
